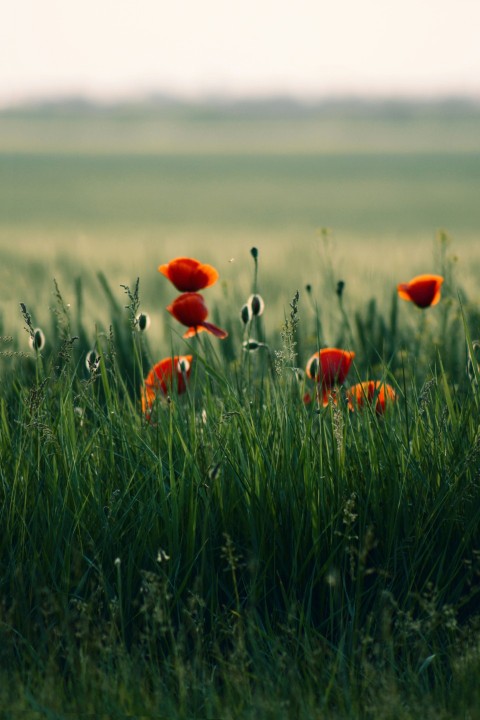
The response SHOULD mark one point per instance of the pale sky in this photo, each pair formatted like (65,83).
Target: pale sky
(110,48)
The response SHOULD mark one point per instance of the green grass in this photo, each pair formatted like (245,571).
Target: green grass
(242,553)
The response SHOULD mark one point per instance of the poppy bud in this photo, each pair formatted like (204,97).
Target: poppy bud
(183,364)
(252,345)
(143,322)
(245,314)
(313,367)
(254,253)
(340,287)
(92,361)
(256,304)
(37,340)
(308,288)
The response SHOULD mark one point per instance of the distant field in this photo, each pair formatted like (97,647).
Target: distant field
(360,193)
(256,127)
(120,190)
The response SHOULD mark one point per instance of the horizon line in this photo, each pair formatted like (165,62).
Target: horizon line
(102,100)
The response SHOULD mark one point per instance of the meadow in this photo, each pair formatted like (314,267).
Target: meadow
(237,548)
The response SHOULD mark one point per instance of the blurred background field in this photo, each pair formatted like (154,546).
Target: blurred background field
(351,190)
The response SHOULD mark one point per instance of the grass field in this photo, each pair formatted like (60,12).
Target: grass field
(237,551)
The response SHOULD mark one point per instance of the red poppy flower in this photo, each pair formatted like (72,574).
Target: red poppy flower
(189,275)
(163,376)
(190,310)
(371,391)
(328,367)
(423,290)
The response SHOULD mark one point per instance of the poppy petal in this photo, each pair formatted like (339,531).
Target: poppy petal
(422,290)
(214,330)
(369,391)
(403,291)
(189,309)
(188,274)
(329,366)
(167,373)
(192,331)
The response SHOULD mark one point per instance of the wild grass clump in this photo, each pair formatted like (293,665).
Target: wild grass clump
(234,549)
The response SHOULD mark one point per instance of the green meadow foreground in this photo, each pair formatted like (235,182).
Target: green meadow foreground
(244,536)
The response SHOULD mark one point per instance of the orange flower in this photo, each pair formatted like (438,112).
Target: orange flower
(328,367)
(370,391)
(189,275)
(190,310)
(163,376)
(423,290)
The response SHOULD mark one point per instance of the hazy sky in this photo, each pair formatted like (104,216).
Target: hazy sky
(300,47)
